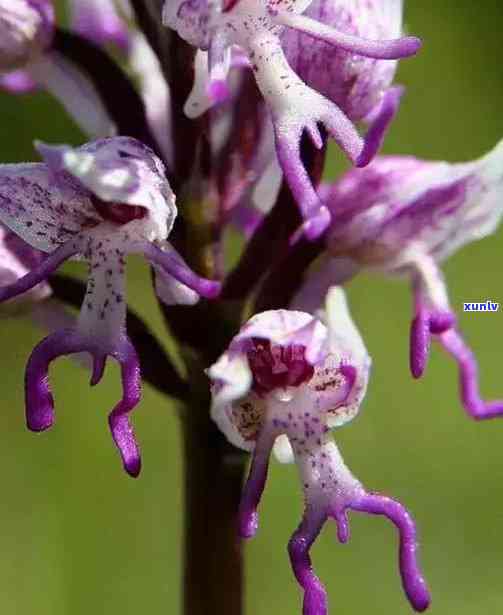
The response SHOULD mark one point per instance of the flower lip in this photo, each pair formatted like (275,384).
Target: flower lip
(119,213)
(277,366)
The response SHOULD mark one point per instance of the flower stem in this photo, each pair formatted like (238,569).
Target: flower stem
(213,567)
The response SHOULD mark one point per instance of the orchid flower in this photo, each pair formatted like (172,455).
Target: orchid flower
(403,217)
(99,203)
(259,27)
(289,376)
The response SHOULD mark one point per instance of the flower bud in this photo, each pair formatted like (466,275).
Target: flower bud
(26,28)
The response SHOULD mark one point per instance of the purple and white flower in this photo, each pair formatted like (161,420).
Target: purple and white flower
(403,217)
(261,30)
(99,203)
(289,378)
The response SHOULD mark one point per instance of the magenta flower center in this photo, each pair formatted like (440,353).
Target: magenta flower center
(228,5)
(276,367)
(118,213)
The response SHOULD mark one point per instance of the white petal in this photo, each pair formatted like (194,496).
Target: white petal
(75,92)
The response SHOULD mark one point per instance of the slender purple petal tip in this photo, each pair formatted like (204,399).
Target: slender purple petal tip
(248,523)
(317,224)
(99,363)
(410,46)
(377,131)
(218,91)
(210,289)
(124,438)
(419,345)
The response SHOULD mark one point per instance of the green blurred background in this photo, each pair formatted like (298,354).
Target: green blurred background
(78,536)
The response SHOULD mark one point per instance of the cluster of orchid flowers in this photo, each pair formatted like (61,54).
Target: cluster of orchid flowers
(263,75)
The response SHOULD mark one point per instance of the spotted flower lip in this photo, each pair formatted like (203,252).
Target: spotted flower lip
(286,379)
(403,217)
(26,30)
(256,28)
(99,203)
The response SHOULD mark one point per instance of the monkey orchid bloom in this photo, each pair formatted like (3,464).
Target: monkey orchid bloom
(288,375)
(402,217)
(99,202)
(258,28)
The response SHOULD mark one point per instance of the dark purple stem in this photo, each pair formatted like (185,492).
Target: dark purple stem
(412,579)
(270,245)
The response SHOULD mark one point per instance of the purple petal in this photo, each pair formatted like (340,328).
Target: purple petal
(173,264)
(393,49)
(39,274)
(377,131)
(423,326)
(122,432)
(254,487)
(39,399)
(18,82)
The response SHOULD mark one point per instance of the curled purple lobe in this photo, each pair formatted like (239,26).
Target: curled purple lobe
(40,401)
(475,406)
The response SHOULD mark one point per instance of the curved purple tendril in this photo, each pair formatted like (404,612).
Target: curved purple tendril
(423,326)
(40,402)
(315,596)
(39,274)
(173,264)
(413,582)
(476,407)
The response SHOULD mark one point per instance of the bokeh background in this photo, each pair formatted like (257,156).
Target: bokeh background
(78,536)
